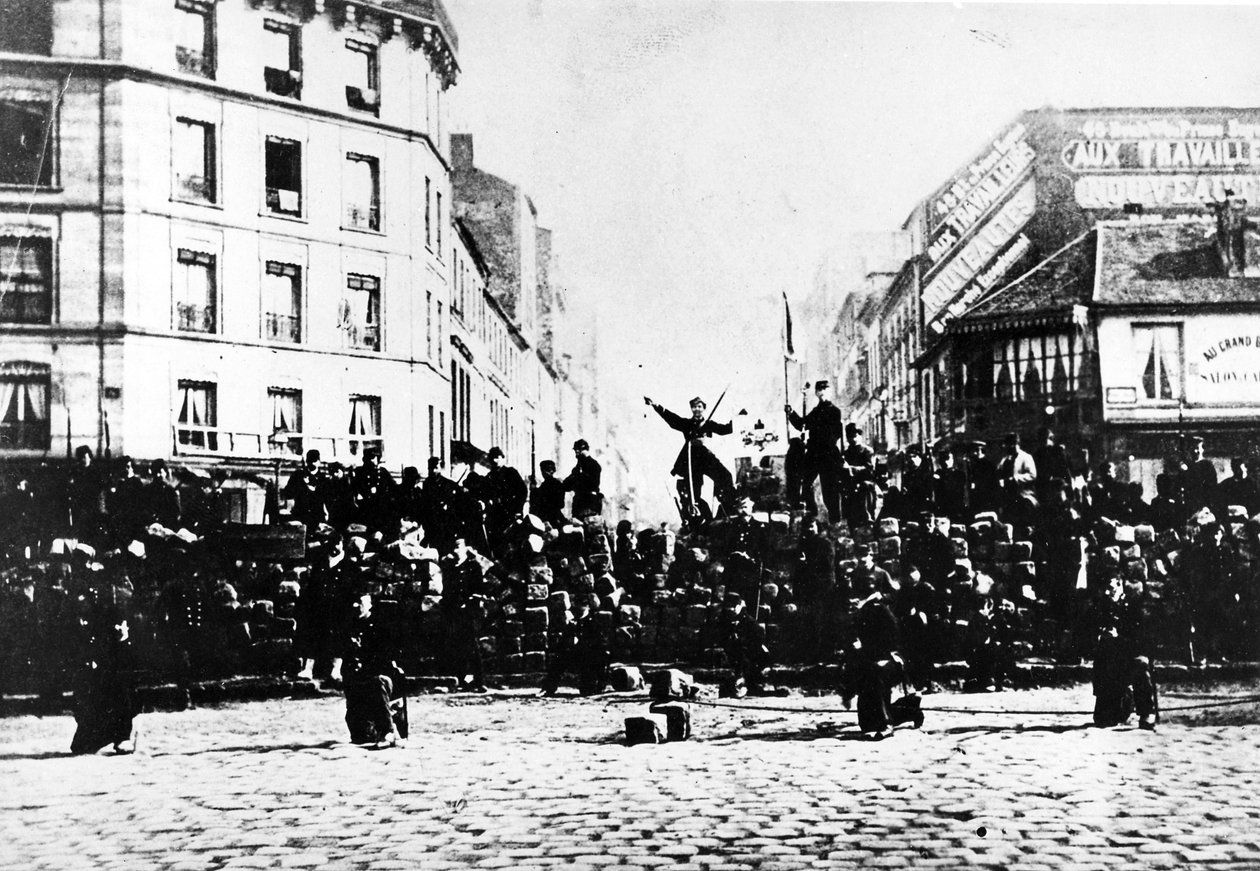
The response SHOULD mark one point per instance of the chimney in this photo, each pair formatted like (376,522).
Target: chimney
(1231,233)
(461,151)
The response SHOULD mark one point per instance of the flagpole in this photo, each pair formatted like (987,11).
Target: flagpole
(788,350)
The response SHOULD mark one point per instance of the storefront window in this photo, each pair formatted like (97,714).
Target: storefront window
(1157,350)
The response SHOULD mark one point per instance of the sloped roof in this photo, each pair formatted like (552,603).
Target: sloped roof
(1170,263)
(1048,295)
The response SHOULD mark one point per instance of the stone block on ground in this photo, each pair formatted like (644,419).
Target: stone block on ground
(1021,550)
(649,729)
(625,678)
(560,601)
(670,683)
(889,526)
(536,593)
(631,614)
(1144,534)
(600,562)
(677,717)
(540,575)
(697,615)
(535,660)
(890,547)
(1125,534)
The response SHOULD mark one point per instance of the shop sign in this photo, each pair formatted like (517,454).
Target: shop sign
(975,192)
(982,262)
(1175,160)
(1223,358)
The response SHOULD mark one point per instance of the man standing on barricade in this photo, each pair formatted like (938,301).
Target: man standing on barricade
(695,461)
(583,482)
(547,501)
(860,492)
(374,491)
(505,495)
(306,490)
(824,427)
(439,502)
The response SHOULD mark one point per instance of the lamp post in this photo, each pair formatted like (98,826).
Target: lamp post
(881,396)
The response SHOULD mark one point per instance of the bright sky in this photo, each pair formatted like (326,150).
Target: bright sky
(694,159)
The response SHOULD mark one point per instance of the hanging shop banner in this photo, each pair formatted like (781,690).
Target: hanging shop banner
(974,194)
(982,262)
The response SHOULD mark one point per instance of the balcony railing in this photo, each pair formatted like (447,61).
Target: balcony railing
(26,435)
(211,441)
(283,83)
(284,202)
(191,318)
(194,62)
(282,328)
(362,336)
(194,187)
(363,217)
(25,308)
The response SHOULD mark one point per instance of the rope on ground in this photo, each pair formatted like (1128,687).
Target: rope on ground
(1241,700)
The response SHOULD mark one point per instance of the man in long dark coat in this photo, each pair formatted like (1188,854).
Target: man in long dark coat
(824,426)
(583,482)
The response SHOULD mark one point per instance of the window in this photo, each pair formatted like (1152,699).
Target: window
(361,76)
(437,213)
(27,27)
(286,421)
(26,154)
(1157,349)
(282,302)
(363,192)
(25,280)
(198,415)
(194,37)
(284,176)
(24,391)
(1035,368)
(365,423)
(428,325)
(193,153)
(428,215)
(361,313)
(282,59)
(441,338)
(194,290)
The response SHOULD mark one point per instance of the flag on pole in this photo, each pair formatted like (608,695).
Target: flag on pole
(788,350)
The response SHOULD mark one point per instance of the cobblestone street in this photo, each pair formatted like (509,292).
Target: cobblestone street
(512,781)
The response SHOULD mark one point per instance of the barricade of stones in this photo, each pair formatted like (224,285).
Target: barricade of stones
(530,607)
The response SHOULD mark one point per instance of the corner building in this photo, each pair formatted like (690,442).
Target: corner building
(224,228)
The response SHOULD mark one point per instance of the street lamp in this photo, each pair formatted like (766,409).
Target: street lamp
(760,436)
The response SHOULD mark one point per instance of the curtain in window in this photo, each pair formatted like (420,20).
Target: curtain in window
(278,294)
(360,187)
(192,407)
(22,268)
(285,411)
(1032,368)
(364,416)
(195,286)
(1170,362)
(8,389)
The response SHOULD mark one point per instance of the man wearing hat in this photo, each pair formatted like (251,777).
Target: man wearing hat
(823,428)
(859,479)
(1200,477)
(374,492)
(506,493)
(547,500)
(305,489)
(695,461)
(583,481)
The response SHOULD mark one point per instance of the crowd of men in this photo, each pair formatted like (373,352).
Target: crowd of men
(87,547)
(103,568)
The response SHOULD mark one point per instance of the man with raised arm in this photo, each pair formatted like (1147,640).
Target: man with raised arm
(695,461)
